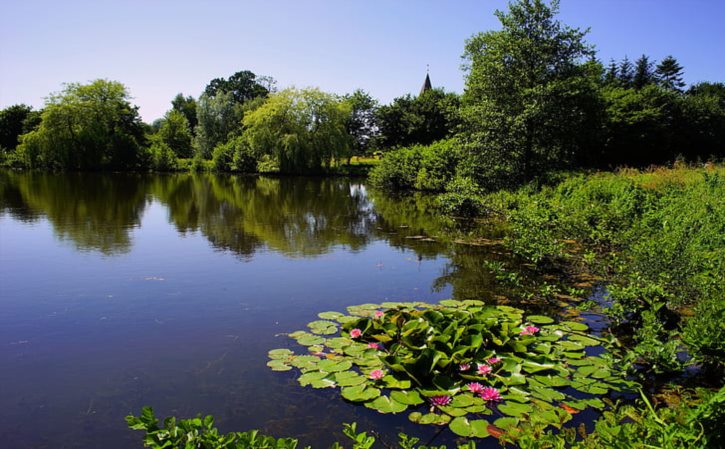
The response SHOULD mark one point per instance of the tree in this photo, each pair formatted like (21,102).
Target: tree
(420,120)
(669,73)
(175,133)
(626,73)
(91,126)
(187,106)
(643,73)
(15,121)
(530,101)
(219,118)
(362,126)
(611,74)
(303,130)
(243,86)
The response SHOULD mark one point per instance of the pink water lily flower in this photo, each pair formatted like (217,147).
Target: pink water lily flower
(475,387)
(464,366)
(377,374)
(378,314)
(355,333)
(493,360)
(373,346)
(484,369)
(530,330)
(440,400)
(490,394)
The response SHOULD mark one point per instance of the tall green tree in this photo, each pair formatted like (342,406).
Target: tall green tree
(669,73)
(14,121)
(421,120)
(303,130)
(219,119)
(187,106)
(626,73)
(243,85)
(643,72)
(175,133)
(530,98)
(362,125)
(87,127)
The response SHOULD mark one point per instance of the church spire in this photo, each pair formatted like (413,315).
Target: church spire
(426,84)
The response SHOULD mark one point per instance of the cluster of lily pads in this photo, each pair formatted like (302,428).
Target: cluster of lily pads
(453,363)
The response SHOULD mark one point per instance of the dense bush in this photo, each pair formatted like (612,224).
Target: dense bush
(419,167)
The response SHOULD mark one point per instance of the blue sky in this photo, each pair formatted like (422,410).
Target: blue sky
(159,48)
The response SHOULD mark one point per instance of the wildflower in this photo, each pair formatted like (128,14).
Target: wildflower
(464,366)
(530,330)
(484,369)
(377,374)
(373,346)
(475,387)
(493,360)
(378,314)
(355,333)
(440,400)
(490,394)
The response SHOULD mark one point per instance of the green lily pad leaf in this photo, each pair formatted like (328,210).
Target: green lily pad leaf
(463,400)
(574,325)
(553,381)
(309,340)
(280,353)
(330,315)
(385,404)
(332,366)
(453,411)
(473,428)
(535,367)
(547,394)
(360,393)
(396,384)
(586,341)
(323,327)
(506,423)
(434,418)
(278,365)
(323,383)
(349,378)
(514,409)
(539,319)
(409,397)
(305,362)
(312,376)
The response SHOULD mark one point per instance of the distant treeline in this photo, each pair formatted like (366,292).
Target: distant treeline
(536,99)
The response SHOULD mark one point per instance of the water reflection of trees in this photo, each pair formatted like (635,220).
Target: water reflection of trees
(95,212)
(299,217)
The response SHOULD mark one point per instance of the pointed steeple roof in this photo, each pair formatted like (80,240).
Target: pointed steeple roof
(426,84)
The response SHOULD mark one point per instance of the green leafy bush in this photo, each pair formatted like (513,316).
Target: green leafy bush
(418,167)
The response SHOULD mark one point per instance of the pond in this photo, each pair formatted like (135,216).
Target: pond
(119,291)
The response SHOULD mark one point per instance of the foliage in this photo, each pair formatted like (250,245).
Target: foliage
(453,363)
(219,118)
(362,124)
(659,238)
(186,106)
(530,101)
(462,198)
(421,120)
(91,126)
(418,167)
(243,86)
(303,130)
(234,155)
(16,120)
(175,133)
(162,156)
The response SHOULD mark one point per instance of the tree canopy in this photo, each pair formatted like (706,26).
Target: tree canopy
(87,127)
(303,130)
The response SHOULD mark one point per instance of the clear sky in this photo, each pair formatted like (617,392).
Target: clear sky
(158,48)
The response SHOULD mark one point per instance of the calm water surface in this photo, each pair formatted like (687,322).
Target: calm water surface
(119,291)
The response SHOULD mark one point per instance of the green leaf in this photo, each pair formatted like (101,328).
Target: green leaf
(410,397)
(385,404)
(280,353)
(465,428)
(360,393)
(330,315)
(278,365)
(539,319)
(514,409)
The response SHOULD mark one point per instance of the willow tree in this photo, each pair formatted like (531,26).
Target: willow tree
(304,130)
(529,99)
(87,127)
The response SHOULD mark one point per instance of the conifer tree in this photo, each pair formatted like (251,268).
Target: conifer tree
(643,73)
(669,73)
(626,72)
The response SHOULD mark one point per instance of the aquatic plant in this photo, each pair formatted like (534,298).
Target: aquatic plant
(426,354)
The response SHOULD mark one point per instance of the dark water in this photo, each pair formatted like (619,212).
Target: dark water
(119,291)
